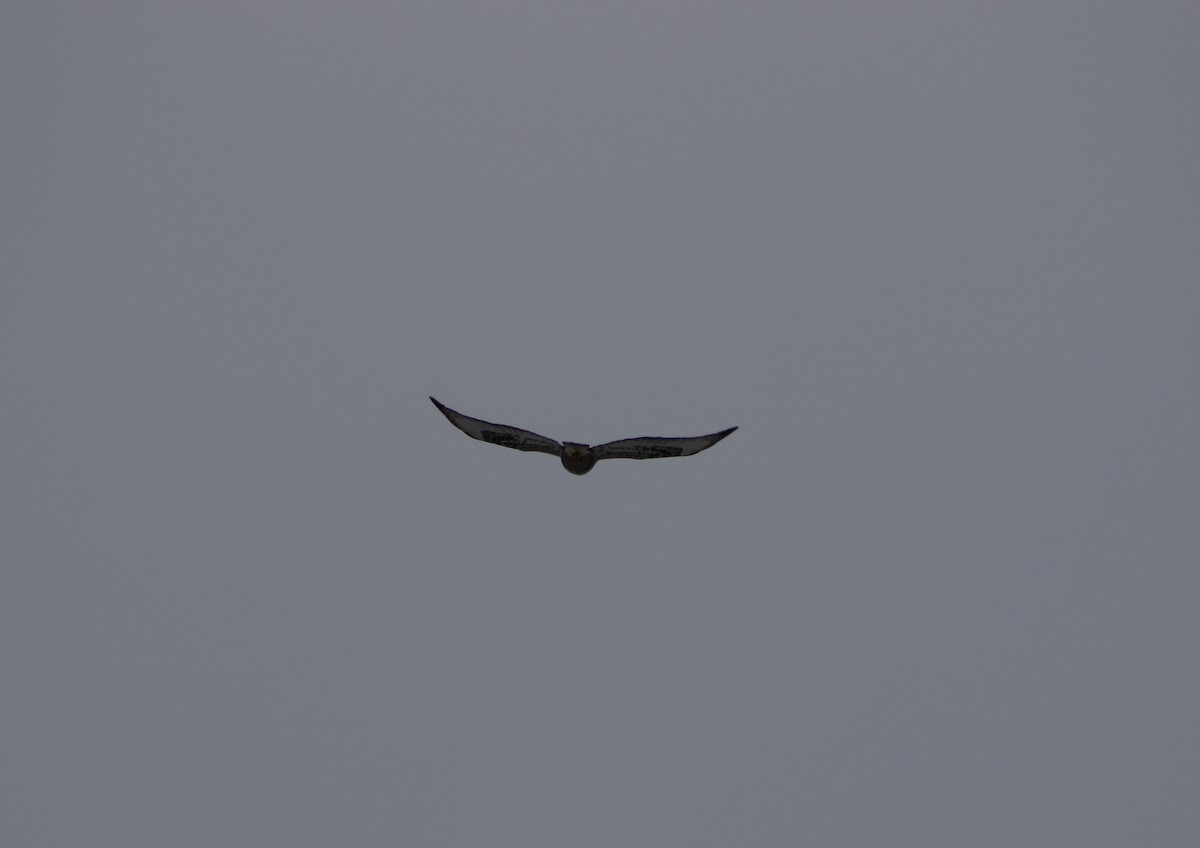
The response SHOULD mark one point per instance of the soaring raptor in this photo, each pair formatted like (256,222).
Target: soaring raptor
(576,457)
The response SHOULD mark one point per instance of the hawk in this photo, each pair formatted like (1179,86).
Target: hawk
(576,457)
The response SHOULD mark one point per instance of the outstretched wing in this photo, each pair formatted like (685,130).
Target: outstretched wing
(654,447)
(499,434)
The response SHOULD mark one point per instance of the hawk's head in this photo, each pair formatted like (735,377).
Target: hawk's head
(577,458)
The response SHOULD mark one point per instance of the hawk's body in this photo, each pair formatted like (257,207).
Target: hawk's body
(576,457)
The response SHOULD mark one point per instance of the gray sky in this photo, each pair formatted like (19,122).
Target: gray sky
(938,262)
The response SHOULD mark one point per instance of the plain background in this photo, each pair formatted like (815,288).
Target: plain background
(937,260)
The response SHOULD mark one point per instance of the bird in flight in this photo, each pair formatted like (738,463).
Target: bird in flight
(576,457)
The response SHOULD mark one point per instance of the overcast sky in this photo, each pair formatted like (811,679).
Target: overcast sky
(938,262)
